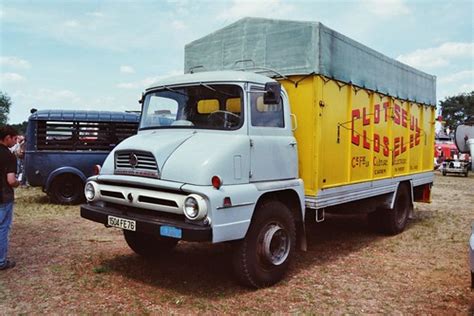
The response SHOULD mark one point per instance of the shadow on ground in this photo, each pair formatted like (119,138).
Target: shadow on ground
(205,270)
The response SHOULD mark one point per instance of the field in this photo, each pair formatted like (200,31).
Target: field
(66,264)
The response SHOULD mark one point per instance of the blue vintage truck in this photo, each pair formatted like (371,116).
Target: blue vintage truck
(63,146)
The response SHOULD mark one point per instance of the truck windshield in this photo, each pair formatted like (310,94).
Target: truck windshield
(199,106)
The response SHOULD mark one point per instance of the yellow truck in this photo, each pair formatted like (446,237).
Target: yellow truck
(275,123)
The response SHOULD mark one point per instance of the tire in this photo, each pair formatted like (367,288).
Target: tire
(392,222)
(67,189)
(443,173)
(148,246)
(374,220)
(262,258)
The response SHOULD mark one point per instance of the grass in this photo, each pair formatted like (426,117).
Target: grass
(69,265)
(101,269)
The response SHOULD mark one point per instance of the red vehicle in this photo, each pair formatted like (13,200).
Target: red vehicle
(445,149)
(448,159)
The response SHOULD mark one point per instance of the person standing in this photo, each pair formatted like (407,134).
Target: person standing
(19,151)
(8,181)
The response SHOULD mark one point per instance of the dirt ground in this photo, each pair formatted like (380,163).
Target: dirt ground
(66,264)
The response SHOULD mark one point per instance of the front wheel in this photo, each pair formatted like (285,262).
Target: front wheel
(263,257)
(67,189)
(148,245)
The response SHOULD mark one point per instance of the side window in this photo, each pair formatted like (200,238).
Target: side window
(266,115)
(162,111)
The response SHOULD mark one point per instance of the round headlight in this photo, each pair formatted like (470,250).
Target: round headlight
(195,207)
(191,207)
(89,191)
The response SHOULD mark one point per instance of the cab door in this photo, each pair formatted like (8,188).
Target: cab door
(273,148)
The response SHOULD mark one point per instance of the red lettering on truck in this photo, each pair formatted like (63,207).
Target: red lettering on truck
(404,118)
(376,142)
(365,118)
(366,144)
(386,105)
(376,113)
(403,146)
(386,148)
(396,114)
(396,147)
(355,138)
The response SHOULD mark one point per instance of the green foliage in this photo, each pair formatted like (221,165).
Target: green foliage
(457,109)
(20,127)
(5,104)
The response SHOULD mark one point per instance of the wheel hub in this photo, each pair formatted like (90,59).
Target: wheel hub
(276,245)
(67,191)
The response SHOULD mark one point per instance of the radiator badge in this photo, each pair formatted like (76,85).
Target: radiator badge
(133,160)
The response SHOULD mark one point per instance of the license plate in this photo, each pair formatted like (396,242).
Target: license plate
(170,231)
(457,164)
(122,223)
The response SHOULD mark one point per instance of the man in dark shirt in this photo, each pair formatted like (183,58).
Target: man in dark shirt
(8,181)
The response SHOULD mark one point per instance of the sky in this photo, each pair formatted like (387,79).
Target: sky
(101,55)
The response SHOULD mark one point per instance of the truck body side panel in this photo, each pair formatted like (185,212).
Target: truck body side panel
(304,104)
(348,135)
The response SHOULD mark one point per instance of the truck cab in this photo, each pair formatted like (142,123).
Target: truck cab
(215,159)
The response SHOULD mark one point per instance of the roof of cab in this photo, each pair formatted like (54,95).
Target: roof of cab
(88,116)
(211,76)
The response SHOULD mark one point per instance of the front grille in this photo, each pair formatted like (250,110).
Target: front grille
(152,200)
(117,195)
(136,163)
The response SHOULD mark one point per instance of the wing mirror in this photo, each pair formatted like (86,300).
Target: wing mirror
(272,93)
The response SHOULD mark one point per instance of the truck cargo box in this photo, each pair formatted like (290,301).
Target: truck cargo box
(348,135)
(301,48)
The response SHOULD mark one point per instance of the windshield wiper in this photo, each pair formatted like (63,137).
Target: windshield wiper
(215,90)
(174,91)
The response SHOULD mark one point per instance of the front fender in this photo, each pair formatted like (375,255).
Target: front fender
(60,171)
(232,223)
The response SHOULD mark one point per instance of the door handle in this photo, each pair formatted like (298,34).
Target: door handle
(293,144)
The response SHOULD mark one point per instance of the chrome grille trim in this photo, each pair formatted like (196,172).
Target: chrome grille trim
(150,199)
(144,163)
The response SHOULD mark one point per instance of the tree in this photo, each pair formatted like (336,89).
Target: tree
(20,127)
(457,109)
(5,104)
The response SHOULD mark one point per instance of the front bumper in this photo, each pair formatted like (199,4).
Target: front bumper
(455,170)
(146,223)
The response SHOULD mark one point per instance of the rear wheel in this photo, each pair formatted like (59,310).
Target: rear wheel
(147,245)
(263,257)
(67,189)
(392,222)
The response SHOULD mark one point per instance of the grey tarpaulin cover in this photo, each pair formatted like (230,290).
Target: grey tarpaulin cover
(300,48)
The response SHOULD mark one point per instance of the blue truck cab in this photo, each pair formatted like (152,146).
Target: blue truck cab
(63,146)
